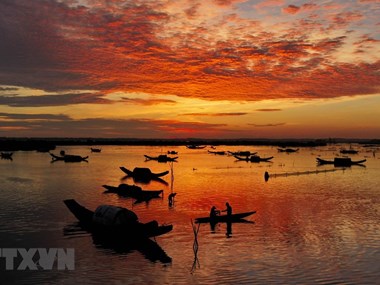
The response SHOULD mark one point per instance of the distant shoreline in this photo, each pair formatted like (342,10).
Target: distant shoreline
(47,144)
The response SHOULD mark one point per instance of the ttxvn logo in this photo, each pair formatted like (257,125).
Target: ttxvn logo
(37,258)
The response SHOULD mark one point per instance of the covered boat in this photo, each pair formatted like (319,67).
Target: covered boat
(341,161)
(224,218)
(114,221)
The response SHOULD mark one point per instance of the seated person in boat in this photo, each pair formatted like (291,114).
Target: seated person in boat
(214,212)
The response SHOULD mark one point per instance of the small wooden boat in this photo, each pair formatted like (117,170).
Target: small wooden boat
(242,153)
(340,161)
(69,158)
(217,152)
(161,158)
(6,155)
(254,158)
(96,149)
(288,150)
(195,146)
(133,191)
(172,152)
(348,151)
(224,218)
(144,175)
(116,222)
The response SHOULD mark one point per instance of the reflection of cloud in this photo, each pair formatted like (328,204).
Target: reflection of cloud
(267,125)
(216,114)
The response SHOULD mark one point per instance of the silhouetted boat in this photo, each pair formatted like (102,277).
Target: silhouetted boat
(161,158)
(6,155)
(172,152)
(133,191)
(254,158)
(242,153)
(225,218)
(96,150)
(341,161)
(348,151)
(287,150)
(68,158)
(195,146)
(144,175)
(217,152)
(117,222)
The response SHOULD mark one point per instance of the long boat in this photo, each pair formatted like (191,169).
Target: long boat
(341,161)
(195,146)
(96,149)
(217,152)
(115,222)
(6,155)
(254,158)
(133,191)
(144,175)
(242,153)
(224,218)
(68,158)
(348,151)
(161,158)
(287,150)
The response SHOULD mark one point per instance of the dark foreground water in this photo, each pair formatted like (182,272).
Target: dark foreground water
(316,228)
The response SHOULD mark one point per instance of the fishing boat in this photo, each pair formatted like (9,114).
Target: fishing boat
(116,222)
(224,218)
(242,153)
(340,161)
(133,191)
(254,158)
(287,150)
(348,151)
(96,149)
(172,152)
(161,158)
(195,146)
(6,155)
(217,152)
(144,175)
(68,158)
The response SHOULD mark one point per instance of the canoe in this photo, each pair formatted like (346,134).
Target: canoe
(133,191)
(217,152)
(242,153)
(6,155)
(341,161)
(142,172)
(287,150)
(254,158)
(193,146)
(115,222)
(161,158)
(224,218)
(349,151)
(68,158)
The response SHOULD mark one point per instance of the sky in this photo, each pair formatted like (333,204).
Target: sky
(190,68)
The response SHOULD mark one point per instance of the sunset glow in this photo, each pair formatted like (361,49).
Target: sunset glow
(177,69)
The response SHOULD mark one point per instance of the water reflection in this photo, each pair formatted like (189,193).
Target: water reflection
(150,249)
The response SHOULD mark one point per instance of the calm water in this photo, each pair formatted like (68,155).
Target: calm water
(309,229)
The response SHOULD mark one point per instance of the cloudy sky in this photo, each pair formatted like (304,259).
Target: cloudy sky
(190,68)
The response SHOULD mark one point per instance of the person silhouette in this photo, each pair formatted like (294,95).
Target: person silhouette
(228,209)
(214,212)
(171,199)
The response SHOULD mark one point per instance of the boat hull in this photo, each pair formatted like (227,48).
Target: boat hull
(225,218)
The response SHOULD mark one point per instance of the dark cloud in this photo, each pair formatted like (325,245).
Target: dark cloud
(216,114)
(268,110)
(267,125)
(147,102)
(33,116)
(52,100)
